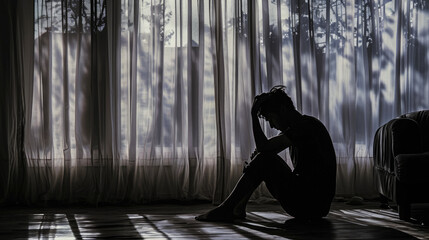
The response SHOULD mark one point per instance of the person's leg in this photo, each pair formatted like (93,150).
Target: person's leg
(262,167)
(240,210)
(274,172)
(242,190)
(291,192)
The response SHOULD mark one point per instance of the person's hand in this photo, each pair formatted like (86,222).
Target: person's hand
(254,154)
(259,99)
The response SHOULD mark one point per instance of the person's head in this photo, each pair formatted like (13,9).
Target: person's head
(275,104)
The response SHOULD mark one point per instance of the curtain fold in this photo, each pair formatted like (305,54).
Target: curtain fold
(16,72)
(221,100)
(135,100)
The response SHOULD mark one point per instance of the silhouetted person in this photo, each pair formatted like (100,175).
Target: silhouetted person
(308,190)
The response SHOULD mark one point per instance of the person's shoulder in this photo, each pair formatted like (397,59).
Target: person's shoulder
(310,120)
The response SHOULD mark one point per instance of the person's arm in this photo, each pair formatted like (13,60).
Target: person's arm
(263,144)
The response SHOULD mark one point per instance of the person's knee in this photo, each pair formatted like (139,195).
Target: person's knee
(264,161)
(266,156)
(269,158)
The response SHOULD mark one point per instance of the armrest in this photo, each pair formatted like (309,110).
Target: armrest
(412,168)
(398,136)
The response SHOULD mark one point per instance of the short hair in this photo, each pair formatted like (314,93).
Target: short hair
(274,100)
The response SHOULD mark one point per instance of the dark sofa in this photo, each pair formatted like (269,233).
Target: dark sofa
(401,160)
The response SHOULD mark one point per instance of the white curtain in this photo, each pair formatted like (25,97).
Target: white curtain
(150,100)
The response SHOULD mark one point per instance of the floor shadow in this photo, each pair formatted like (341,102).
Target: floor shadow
(174,221)
(323,229)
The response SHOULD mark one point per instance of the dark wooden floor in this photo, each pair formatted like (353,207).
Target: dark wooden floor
(174,221)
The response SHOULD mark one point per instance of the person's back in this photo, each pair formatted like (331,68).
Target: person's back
(314,160)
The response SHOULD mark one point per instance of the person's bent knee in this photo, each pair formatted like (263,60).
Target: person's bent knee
(266,156)
(263,161)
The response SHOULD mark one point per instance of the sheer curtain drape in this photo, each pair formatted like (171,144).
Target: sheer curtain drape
(136,100)
(109,101)
(357,64)
(16,74)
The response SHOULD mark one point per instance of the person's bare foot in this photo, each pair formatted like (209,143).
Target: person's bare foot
(219,214)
